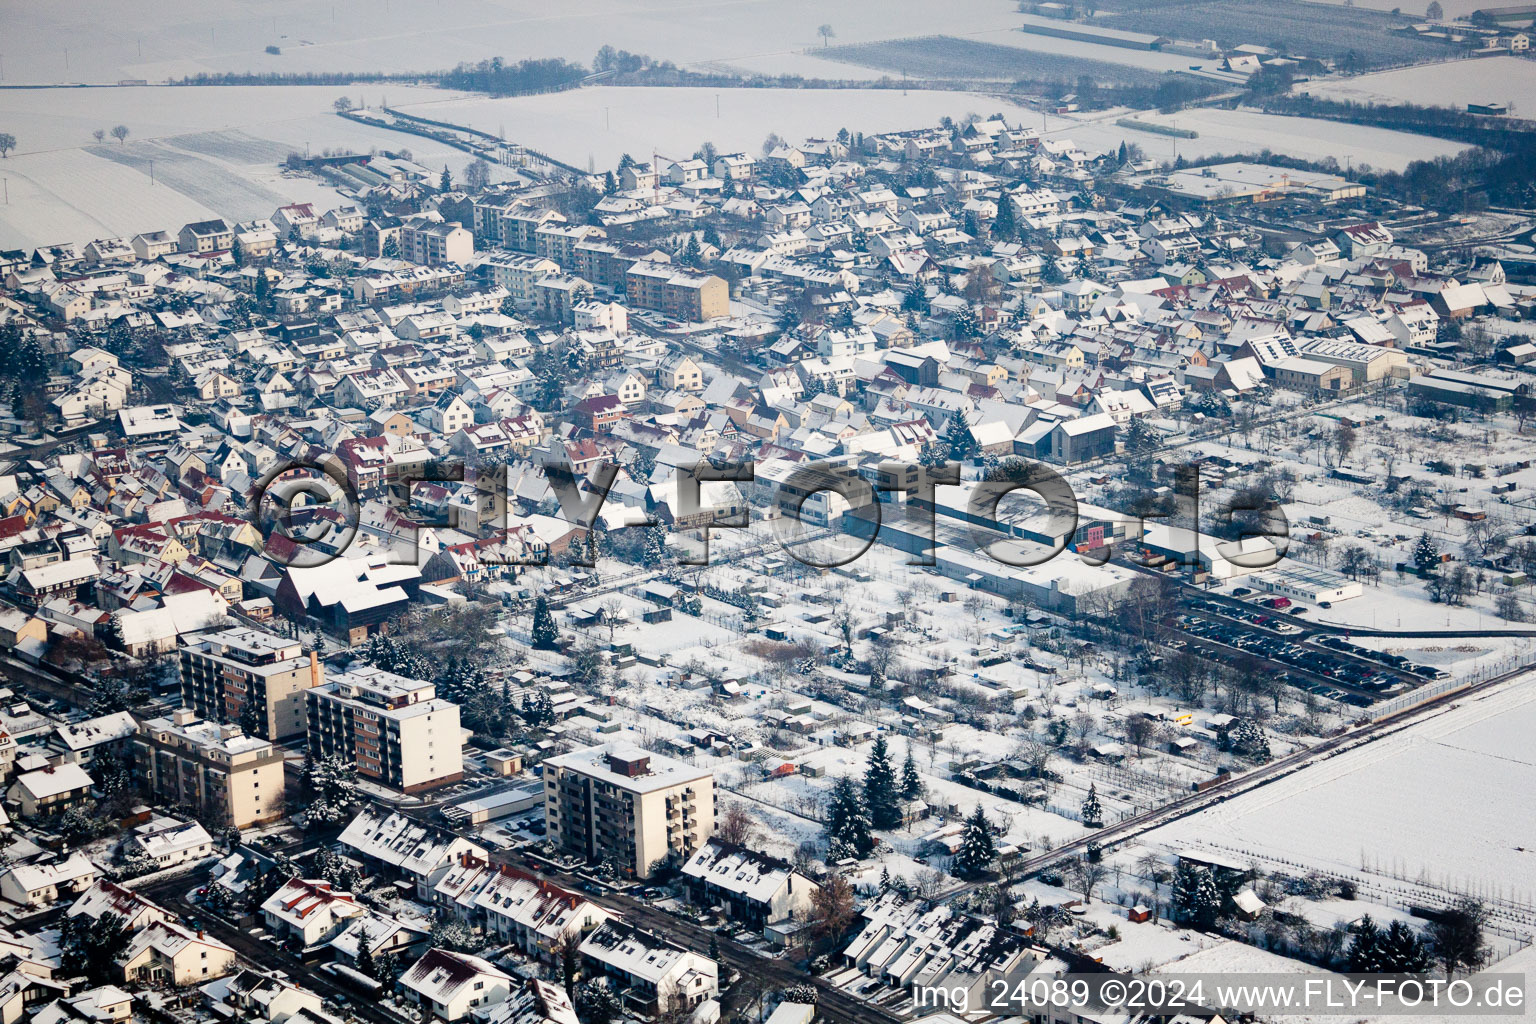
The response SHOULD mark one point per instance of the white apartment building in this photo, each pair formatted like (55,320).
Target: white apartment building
(616,801)
(397,730)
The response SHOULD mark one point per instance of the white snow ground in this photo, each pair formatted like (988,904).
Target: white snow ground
(1448,804)
(603,123)
(1509,80)
(216,151)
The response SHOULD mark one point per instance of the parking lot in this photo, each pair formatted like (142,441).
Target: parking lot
(1332,667)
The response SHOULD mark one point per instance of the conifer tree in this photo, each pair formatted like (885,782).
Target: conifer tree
(546,636)
(847,827)
(1093,813)
(880,788)
(1195,896)
(1365,955)
(911,782)
(365,962)
(958,439)
(916,299)
(978,848)
(1403,952)
(1426,555)
(1004,225)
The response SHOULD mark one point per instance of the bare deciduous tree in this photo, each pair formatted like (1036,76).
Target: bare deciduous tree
(737,826)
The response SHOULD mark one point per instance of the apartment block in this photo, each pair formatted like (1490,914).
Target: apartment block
(229,777)
(519,274)
(437,244)
(397,730)
(689,297)
(620,803)
(223,672)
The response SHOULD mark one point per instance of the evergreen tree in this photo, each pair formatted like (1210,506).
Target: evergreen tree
(1364,955)
(365,961)
(252,721)
(1426,555)
(445,183)
(546,636)
(1122,156)
(712,236)
(880,788)
(963,324)
(691,255)
(978,848)
(1140,437)
(885,880)
(933,453)
(1196,899)
(911,782)
(1005,226)
(387,969)
(237,253)
(916,299)
(958,439)
(1093,814)
(1403,952)
(653,549)
(847,826)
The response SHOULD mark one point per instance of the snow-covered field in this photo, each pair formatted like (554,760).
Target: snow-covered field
(1510,80)
(1452,8)
(603,123)
(108,41)
(1448,804)
(215,152)
(1248,131)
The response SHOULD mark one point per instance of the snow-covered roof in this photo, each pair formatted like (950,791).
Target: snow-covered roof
(753,876)
(440,974)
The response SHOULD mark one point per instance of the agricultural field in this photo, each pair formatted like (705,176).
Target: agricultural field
(1451,8)
(212,152)
(948,57)
(601,124)
(1361,38)
(104,42)
(1250,131)
(1447,805)
(1510,80)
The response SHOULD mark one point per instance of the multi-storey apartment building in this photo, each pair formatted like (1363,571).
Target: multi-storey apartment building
(604,262)
(627,805)
(690,297)
(436,244)
(225,673)
(397,730)
(231,778)
(519,274)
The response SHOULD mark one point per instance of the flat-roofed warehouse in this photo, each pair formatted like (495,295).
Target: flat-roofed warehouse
(1244,182)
